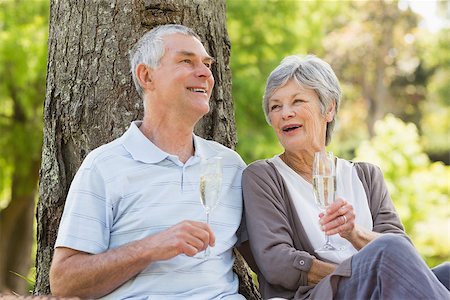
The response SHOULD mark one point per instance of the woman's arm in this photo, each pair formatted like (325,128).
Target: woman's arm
(384,216)
(319,270)
(334,222)
(269,229)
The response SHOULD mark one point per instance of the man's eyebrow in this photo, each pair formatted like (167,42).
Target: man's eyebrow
(192,54)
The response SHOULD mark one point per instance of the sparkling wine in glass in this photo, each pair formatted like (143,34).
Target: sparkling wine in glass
(210,185)
(324,185)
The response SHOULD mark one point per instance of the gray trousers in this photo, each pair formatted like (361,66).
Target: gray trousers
(442,272)
(390,268)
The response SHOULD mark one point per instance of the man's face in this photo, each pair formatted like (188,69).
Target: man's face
(183,82)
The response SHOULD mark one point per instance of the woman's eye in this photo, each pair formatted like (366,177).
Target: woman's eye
(208,65)
(187,61)
(274,107)
(298,101)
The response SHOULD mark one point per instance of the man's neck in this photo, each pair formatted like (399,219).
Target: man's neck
(171,137)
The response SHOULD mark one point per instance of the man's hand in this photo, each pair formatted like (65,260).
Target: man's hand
(187,237)
(85,275)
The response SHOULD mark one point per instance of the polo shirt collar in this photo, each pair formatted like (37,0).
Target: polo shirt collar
(142,149)
(203,148)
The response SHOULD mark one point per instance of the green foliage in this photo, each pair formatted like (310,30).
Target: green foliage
(30,279)
(262,33)
(23,56)
(420,189)
(23,53)
(435,123)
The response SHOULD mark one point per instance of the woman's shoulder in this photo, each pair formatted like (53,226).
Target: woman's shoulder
(366,166)
(262,170)
(262,165)
(367,170)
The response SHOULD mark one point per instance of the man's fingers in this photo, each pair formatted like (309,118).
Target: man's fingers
(196,235)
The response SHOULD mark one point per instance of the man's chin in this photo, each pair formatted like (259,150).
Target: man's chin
(204,108)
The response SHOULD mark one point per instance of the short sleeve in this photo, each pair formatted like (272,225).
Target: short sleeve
(85,222)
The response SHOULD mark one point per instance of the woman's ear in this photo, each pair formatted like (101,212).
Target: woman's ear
(144,75)
(331,111)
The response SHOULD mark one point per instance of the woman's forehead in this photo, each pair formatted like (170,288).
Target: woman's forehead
(291,89)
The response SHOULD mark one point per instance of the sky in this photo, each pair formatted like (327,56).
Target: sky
(428,9)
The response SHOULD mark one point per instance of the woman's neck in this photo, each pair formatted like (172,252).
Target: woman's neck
(300,162)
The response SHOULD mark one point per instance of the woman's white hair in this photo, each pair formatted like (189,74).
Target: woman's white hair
(150,49)
(310,72)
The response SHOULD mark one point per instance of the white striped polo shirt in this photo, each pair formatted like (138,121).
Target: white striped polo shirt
(130,189)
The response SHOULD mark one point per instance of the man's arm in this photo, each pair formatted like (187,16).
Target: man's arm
(76,273)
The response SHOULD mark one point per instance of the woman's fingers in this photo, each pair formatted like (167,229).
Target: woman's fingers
(339,218)
(342,225)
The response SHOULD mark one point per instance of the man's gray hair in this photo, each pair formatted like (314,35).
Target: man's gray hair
(150,49)
(310,72)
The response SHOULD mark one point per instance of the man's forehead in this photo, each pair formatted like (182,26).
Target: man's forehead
(180,43)
(188,53)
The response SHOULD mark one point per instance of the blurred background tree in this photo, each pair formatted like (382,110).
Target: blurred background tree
(395,113)
(23,55)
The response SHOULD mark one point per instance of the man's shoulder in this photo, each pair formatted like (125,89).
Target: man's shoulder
(104,152)
(223,151)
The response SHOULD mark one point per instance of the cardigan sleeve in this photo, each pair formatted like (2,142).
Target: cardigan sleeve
(384,215)
(270,231)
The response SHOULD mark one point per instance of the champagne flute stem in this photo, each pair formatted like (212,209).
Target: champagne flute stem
(327,239)
(207,250)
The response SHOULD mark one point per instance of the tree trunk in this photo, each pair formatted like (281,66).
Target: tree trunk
(90,97)
(16,230)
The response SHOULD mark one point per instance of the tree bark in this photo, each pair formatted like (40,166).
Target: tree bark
(90,98)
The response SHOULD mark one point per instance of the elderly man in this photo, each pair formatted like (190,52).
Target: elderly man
(133,224)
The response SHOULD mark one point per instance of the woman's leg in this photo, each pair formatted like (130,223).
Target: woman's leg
(442,272)
(390,268)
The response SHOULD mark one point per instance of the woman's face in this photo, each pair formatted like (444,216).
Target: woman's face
(295,116)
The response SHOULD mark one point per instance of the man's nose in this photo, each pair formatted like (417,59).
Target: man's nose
(204,71)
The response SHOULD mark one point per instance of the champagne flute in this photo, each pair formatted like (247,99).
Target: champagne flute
(210,185)
(324,185)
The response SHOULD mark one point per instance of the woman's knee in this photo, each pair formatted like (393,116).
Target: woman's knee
(442,272)
(392,241)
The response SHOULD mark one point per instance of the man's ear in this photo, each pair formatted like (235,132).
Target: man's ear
(144,75)
(331,111)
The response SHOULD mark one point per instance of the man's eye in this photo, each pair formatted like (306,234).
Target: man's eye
(208,65)
(187,61)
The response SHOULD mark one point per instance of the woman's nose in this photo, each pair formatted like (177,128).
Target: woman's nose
(287,112)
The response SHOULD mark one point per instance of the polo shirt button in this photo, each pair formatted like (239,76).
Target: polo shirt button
(302,262)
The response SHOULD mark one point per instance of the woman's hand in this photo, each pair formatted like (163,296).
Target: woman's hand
(339,219)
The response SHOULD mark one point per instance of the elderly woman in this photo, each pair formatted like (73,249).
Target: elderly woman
(285,225)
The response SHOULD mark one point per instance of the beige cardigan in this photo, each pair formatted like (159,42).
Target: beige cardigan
(278,240)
